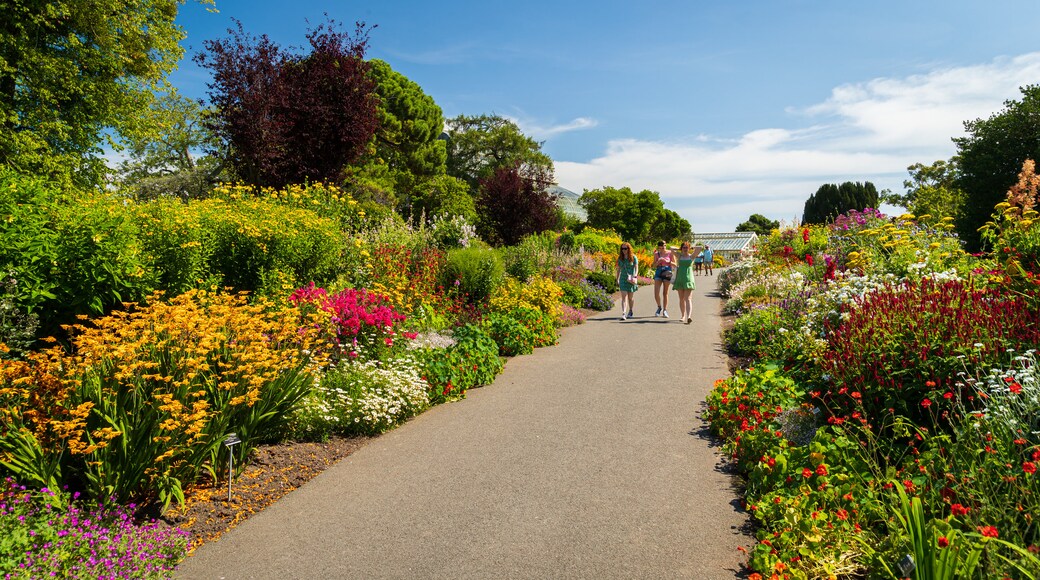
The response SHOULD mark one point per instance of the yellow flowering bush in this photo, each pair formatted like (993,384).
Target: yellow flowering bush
(246,243)
(539,293)
(140,404)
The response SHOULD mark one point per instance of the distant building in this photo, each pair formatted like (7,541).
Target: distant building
(730,245)
(569,202)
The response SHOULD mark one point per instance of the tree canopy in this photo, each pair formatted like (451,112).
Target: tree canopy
(410,124)
(832,200)
(759,224)
(478,146)
(638,217)
(514,202)
(931,190)
(290,118)
(73,73)
(991,155)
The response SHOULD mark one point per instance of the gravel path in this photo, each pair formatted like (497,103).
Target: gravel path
(583,460)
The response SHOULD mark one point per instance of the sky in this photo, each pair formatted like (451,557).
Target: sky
(726,108)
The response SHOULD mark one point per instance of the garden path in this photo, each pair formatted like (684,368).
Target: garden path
(583,460)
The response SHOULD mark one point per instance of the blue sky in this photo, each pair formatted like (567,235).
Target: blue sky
(725,108)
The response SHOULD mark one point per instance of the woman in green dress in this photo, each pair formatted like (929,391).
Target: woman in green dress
(628,269)
(684,284)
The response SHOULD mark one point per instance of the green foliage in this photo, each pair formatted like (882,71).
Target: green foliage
(89,69)
(476,270)
(603,280)
(410,123)
(832,200)
(759,224)
(931,190)
(991,155)
(161,150)
(460,360)
(637,217)
(477,146)
(511,336)
(441,195)
(541,325)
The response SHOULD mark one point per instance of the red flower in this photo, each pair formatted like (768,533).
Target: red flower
(841,514)
(988,531)
(929,384)
(947,395)
(1029,467)
(806,473)
(959,510)
(1015,388)
(805,236)
(943,542)
(926,403)
(808,259)
(821,469)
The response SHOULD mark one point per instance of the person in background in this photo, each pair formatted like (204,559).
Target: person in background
(698,261)
(684,283)
(664,263)
(628,270)
(709,260)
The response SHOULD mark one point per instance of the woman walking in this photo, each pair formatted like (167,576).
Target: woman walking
(628,270)
(664,263)
(684,283)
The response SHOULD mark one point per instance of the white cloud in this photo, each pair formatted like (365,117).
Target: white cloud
(541,132)
(868,131)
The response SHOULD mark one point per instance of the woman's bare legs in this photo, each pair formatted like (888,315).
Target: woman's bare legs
(684,304)
(657,293)
(664,299)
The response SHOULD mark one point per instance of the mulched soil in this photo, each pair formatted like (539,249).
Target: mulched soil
(272,472)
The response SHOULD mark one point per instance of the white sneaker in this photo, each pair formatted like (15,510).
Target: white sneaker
(624,316)
(664,313)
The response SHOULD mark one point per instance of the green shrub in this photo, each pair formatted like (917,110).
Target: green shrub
(753,331)
(476,270)
(511,336)
(267,247)
(454,362)
(519,263)
(566,241)
(604,280)
(573,294)
(541,325)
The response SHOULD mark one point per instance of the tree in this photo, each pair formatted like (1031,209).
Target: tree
(931,190)
(73,74)
(991,154)
(291,118)
(478,146)
(442,195)
(410,124)
(513,203)
(832,200)
(164,150)
(637,217)
(670,226)
(759,224)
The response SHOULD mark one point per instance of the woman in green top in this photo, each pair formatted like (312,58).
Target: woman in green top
(684,284)
(628,269)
